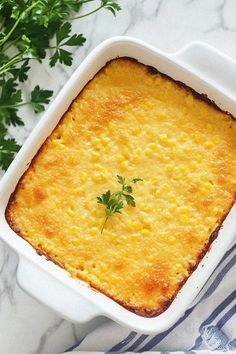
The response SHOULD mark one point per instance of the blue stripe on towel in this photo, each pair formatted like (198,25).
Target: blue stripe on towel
(226,317)
(233,343)
(121,344)
(137,343)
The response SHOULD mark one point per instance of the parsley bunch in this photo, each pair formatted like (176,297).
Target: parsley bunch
(114,202)
(27,30)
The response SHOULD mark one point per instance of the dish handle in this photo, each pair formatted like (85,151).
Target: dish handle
(209,64)
(52,293)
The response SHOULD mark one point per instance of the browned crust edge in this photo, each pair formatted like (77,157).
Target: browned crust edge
(142,311)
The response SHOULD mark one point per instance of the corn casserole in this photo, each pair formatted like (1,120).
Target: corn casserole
(133,121)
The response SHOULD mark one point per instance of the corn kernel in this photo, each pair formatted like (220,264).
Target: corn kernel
(216,211)
(133,237)
(172,207)
(135,226)
(53,190)
(152,146)
(211,221)
(60,146)
(95,141)
(184,218)
(182,168)
(82,219)
(199,158)
(150,258)
(136,130)
(169,168)
(183,137)
(208,185)
(157,193)
(179,267)
(209,144)
(178,176)
(76,242)
(93,231)
(70,212)
(58,202)
(146,208)
(111,128)
(165,187)
(166,158)
(120,158)
(74,230)
(123,165)
(126,152)
(95,156)
(172,198)
(172,240)
(184,209)
(145,232)
(83,177)
(161,116)
(148,152)
(138,151)
(163,138)
(193,166)
(188,178)
(166,214)
(171,142)
(159,209)
(78,190)
(105,141)
(98,177)
(197,138)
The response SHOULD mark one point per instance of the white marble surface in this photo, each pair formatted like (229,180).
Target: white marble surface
(27,327)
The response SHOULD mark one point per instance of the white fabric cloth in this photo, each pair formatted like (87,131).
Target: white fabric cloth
(208,326)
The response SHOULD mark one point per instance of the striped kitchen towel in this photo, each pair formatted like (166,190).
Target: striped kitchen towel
(209,325)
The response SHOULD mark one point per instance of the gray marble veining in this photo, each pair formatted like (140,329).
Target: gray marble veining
(26,326)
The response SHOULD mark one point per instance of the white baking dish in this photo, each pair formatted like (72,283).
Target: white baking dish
(201,67)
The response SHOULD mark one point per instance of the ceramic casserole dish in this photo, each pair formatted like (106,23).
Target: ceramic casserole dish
(199,66)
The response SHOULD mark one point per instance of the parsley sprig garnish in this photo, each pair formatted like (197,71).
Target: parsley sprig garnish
(114,202)
(30,30)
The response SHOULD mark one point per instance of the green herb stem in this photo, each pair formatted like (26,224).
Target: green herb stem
(88,14)
(10,44)
(104,224)
(13,61)
(15,105)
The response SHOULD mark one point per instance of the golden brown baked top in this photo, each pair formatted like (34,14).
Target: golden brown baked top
(134,122)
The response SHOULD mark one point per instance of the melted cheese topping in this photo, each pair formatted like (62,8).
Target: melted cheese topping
(135,123)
